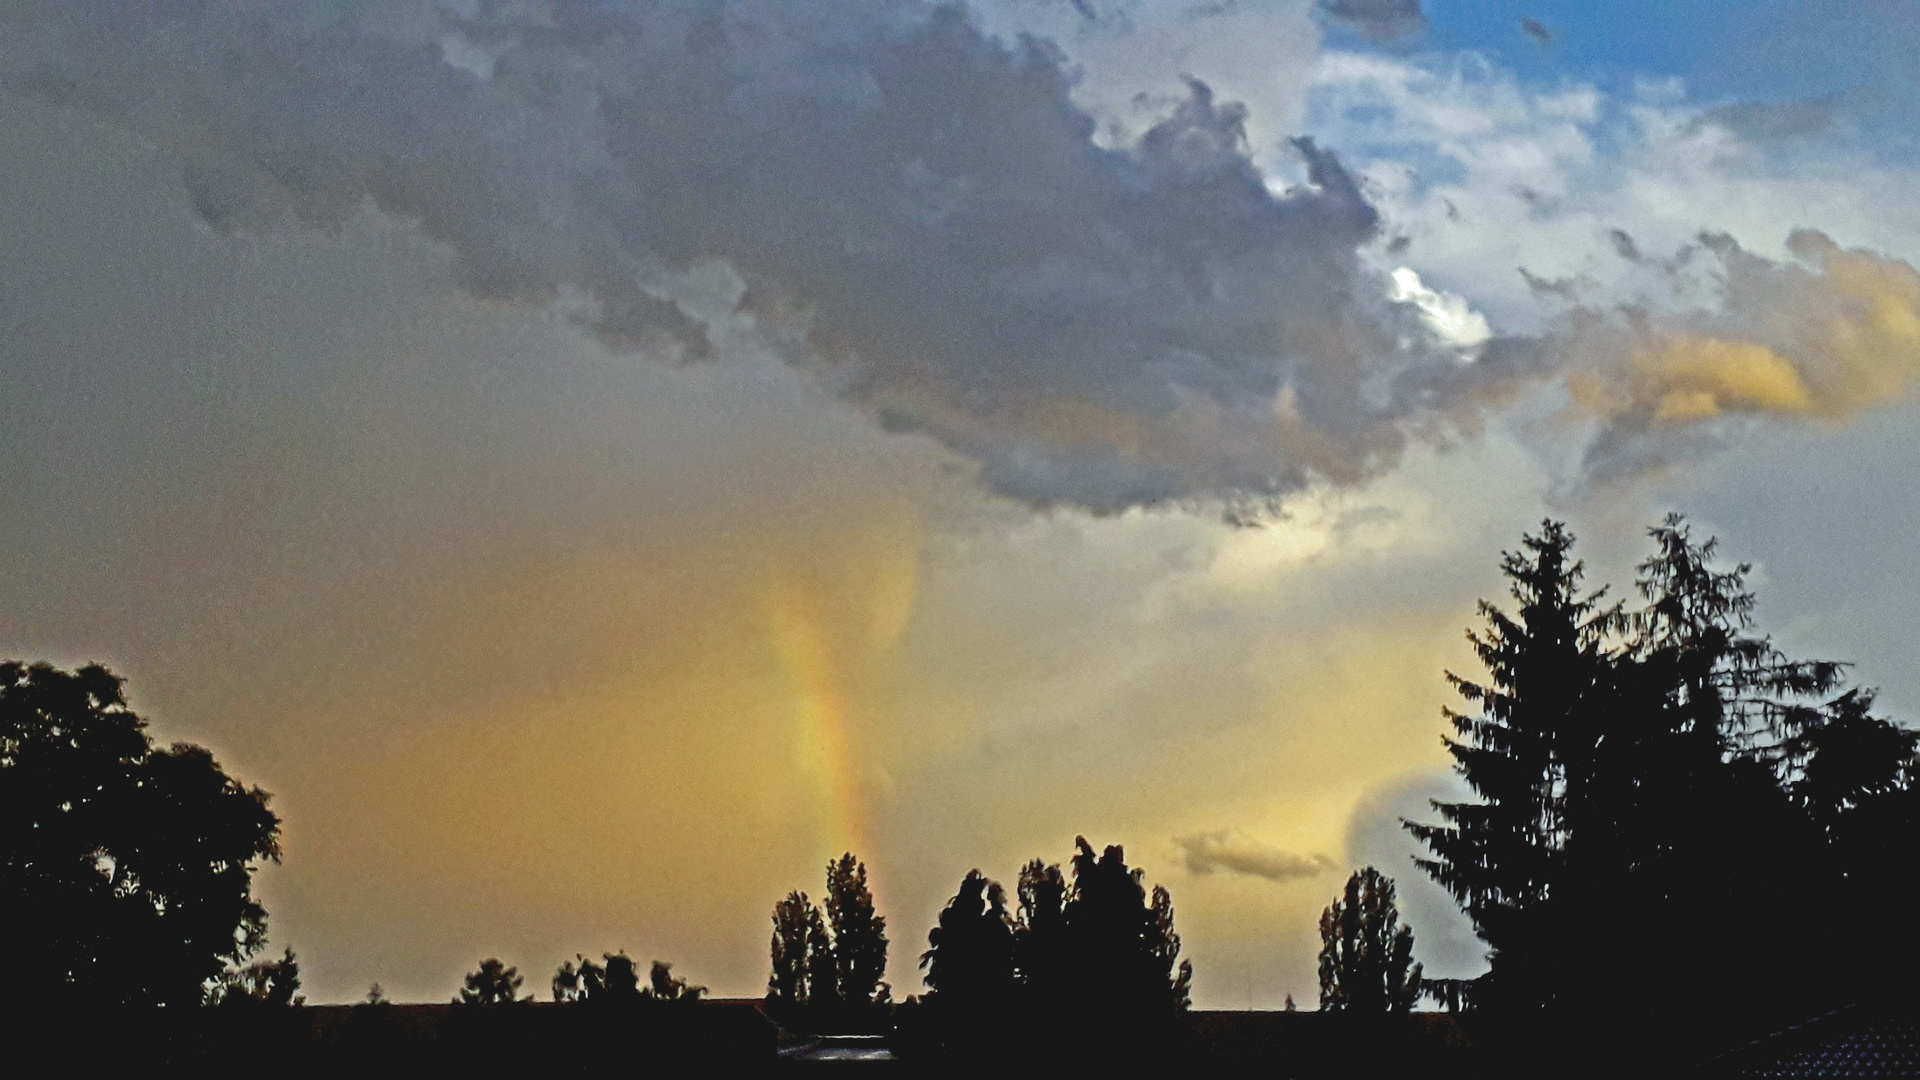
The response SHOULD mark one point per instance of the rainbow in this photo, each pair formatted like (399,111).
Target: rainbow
(825,736)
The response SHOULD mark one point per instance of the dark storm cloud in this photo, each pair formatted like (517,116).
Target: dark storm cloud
(1232,853)
(1379,20)
(915,210)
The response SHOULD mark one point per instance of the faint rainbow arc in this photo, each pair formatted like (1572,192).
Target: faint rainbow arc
(825,728)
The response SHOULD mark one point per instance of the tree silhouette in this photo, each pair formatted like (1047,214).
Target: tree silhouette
(622,977)
(1688,800)
(1121,949)
(125,870)
(1366,952)
(263,982)
(1163,945)
(823,979)
(802,954)
(666,987)
(618,980)
(1845,760)
(1644,774)
(859,946)
(1549,684)
(587,982)
(494,984)
(1040,930)
(969,959)
(830,961)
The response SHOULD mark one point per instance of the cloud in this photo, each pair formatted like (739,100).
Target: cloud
(1379,20)
(916,212)
(1236,853)
(1446,314)
(925,218)
(1623,244)
(1443,936)
(1770,121)
(1548,210)
(1822,337)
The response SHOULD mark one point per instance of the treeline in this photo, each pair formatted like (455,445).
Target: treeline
(1087,949)
(1678,828)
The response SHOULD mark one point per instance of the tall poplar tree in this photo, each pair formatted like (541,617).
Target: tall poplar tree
(1366,952)
(859,934)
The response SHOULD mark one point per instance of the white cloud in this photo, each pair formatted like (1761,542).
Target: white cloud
(1484,176)
(1446,314)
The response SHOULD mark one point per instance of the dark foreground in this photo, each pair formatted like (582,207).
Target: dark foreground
(735,1036)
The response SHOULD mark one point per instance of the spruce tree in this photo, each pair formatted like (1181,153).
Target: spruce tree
(1692,801)
(1524,753)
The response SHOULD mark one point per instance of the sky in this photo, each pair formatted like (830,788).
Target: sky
(593,463)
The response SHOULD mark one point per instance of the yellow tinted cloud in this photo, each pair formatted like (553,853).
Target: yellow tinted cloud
(1872,341)
(1691,378)
(1815,345)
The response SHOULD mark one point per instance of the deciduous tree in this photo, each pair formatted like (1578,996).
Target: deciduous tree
(859,934)
(126,870)
(969,958)
(666,987)
(1366,952)
(263,982)
(494,984)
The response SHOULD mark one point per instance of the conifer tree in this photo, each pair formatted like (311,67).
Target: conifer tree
(1524,754)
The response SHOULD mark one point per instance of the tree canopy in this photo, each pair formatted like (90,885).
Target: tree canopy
(618,980)
(493,984)
(969,957)
(831,960)
(263,982)
(1641,774)
(1366,952)
(126,870)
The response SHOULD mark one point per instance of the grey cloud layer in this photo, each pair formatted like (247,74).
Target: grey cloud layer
(914,209)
